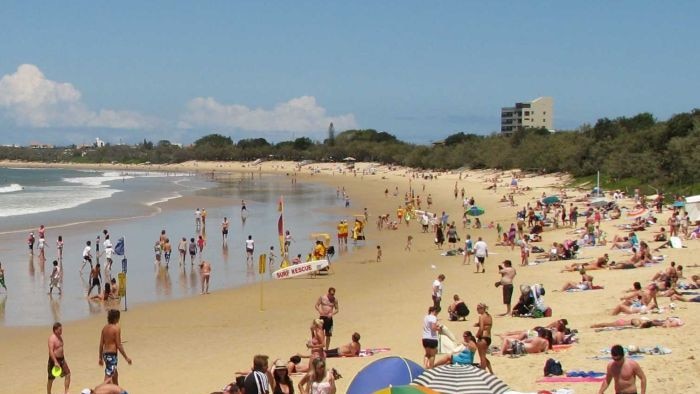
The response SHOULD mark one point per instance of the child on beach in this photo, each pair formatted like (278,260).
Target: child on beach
(200,244)
(42,249)
(379,253)
(55,278)
(193,250)
(59,247)
(2,278)
(167,250)
(182,249)
(409,243)
(271,259)
(30,243)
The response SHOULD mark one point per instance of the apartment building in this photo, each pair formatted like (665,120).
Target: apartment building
(533,114)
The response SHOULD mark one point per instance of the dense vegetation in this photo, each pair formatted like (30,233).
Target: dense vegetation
(630,151)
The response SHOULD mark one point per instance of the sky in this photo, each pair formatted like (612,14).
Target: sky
(124,71)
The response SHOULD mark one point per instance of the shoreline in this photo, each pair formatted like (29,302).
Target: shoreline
(385,302)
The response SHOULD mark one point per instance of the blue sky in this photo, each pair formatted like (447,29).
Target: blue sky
(73,71)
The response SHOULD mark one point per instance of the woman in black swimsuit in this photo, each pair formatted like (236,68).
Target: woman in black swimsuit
(483,335)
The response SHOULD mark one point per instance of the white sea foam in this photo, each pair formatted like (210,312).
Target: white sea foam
(50,199)
(15,187)
(164,199)
(77,191)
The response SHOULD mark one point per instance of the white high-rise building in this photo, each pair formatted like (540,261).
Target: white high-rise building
(534,114)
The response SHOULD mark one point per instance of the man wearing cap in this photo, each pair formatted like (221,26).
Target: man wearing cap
(625,372)
(57,358)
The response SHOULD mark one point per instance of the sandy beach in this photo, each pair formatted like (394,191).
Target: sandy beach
(195,344)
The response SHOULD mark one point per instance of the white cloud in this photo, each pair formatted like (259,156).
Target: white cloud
(301,114)
(31,99)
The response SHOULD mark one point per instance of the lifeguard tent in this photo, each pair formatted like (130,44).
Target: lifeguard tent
(692,206)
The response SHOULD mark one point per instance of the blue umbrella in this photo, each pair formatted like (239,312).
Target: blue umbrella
(381,373)
(474,211)
(549,200)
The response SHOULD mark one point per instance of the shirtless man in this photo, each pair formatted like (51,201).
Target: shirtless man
(110,343)
(483,335)
(105,388)
(636,304)
(95,279)
(507,274)
(57,358)
(327,307)
(624,372)
(598,264)
(352,349)
(205,272)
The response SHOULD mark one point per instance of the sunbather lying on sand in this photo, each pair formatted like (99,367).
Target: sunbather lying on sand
(638,303)
(538,344)
(668,322)
(586,283)
(557,328)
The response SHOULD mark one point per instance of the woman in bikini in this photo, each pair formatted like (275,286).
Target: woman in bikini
(483,334)
(317,342)
(318,380)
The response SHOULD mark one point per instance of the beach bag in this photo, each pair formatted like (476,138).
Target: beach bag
(553,368)
(517,348)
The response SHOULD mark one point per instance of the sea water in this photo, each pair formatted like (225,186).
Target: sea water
(79,204)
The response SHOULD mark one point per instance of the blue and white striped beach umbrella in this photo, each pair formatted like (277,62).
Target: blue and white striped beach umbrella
(461,379)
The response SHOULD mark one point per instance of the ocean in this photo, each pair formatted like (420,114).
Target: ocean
(78,205)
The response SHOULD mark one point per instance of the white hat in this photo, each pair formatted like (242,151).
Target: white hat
(86,391)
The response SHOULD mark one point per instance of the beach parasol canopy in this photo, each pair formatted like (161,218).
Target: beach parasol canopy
(407,389)
(461,379)
(349,158)
(549,200)
(387,371)
(599,202)
(474,211)
(635,213)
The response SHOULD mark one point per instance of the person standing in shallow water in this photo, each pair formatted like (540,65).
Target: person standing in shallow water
(2,278)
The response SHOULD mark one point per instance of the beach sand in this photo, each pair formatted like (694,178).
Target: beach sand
(195,345)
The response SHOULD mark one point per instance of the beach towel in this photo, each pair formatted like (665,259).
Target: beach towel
(595,287)
(559,348)
(568,379)
(615,328)
(584,374)
(609,358)
(676,243)
(372,351)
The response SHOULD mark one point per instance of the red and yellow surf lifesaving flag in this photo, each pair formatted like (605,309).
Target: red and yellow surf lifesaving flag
(280,232)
